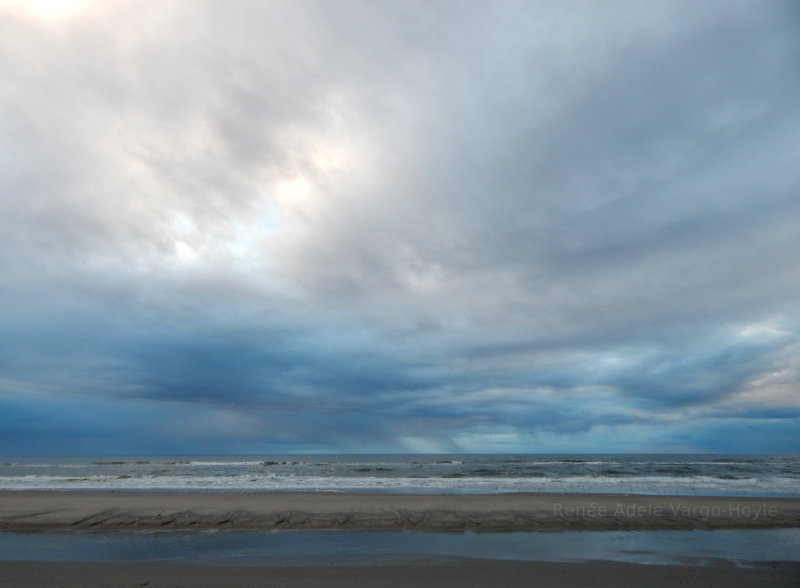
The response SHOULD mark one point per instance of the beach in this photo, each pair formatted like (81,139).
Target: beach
(96,513)
(86,511)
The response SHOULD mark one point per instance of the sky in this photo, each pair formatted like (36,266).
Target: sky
(419,226)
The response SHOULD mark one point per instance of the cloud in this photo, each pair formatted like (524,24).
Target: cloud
(493,226)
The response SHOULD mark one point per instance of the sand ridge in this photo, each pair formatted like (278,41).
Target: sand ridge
(103,511)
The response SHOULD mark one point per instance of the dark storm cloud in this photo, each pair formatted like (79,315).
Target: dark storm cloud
(477,226)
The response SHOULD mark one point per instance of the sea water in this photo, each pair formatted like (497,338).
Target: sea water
(707,474)
(730,547)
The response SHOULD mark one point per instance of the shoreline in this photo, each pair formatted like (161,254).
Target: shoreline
(31,510)
(431,572)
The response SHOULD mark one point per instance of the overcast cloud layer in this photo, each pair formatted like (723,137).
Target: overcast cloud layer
(408,226)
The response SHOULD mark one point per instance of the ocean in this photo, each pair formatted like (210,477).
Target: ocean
(706,474)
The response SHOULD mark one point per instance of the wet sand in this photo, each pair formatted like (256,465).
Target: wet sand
(104,511)
(413,573)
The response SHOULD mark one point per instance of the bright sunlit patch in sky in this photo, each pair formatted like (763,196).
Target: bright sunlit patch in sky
(185,252)
(51,9)
(294,195)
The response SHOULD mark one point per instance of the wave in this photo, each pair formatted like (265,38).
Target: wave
(43,465)
(445,483)
(218,463)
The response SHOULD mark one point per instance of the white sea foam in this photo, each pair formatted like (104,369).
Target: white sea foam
(271,482)
(45,465)
(219,463)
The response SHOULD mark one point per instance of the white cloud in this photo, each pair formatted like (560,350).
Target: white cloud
(484,200)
